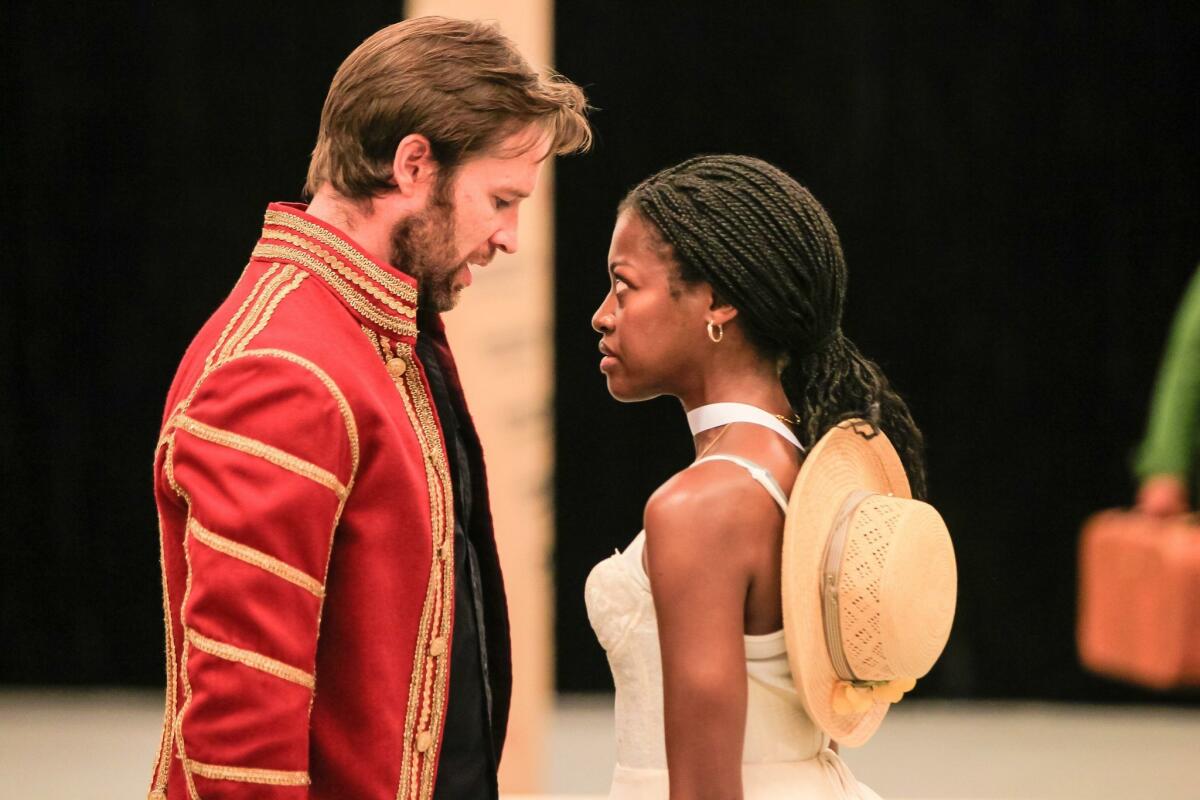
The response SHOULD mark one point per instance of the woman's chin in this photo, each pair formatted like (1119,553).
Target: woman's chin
(624,393)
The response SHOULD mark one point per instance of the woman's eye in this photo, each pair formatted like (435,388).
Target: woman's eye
(619,284)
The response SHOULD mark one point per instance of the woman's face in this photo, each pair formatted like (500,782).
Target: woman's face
(652,326)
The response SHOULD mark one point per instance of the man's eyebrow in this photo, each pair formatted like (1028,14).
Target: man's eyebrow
(515,192)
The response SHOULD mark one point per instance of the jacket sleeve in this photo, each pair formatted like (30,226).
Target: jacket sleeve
(1172,435)
(263,458)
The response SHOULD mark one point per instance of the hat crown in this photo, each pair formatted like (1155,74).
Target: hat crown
(869,581)
(897,588)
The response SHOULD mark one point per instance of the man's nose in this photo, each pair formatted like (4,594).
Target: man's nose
(505,239)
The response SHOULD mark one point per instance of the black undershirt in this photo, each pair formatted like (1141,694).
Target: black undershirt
(467,763)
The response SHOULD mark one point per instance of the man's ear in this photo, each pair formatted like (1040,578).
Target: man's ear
(413,167)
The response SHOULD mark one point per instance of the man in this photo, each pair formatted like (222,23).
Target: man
(334,610)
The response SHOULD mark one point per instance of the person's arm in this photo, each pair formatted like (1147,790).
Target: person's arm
(1167,454)
(699,582)
(1163,495)
(261,462)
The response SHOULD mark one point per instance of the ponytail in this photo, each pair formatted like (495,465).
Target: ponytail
(835,382)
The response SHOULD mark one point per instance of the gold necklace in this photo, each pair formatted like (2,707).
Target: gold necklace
(793,420)
(713,443)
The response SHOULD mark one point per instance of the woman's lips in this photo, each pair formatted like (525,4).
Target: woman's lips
(609,360)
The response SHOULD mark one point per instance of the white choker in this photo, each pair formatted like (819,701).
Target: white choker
(715,415)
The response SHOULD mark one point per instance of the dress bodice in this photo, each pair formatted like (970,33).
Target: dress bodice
(784,754)
(621,610)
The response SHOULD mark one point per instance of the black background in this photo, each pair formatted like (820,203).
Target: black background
(1016,187)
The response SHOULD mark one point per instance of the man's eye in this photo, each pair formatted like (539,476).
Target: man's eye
(502,204)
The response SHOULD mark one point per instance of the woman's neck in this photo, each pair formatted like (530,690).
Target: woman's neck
(755,384)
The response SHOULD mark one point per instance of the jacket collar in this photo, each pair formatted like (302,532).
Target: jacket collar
(381,297)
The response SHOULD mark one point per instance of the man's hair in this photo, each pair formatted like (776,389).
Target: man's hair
(461,84)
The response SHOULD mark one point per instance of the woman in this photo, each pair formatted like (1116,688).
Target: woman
(727,285)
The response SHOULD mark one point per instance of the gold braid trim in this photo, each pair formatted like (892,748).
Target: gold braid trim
(280,458)
(256,311)
(313,231)
(437,669)
(283,252)
(177,727)
(256,558)
(269,312)
(177,722)
(351,434)
(427,688)
(217,357)
(251,659)
(162,761)
(347,273)
(373,338)
(410,760)
(250,298)
(271,777)
(211,361)
(327,382)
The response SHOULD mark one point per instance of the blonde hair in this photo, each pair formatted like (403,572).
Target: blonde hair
(461,84)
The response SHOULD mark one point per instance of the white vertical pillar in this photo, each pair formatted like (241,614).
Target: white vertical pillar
(502,338)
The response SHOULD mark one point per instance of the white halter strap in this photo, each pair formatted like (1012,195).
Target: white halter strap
(760,474)
(714,415)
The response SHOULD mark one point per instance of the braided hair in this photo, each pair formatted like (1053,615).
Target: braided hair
(767,247)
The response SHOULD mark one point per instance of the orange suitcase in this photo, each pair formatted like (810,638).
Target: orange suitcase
(1139,598)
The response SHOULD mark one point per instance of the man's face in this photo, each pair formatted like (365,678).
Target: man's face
(470,215)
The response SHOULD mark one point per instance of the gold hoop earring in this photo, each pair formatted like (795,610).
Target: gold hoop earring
(719,335)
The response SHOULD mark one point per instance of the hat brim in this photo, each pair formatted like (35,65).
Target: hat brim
(850,457)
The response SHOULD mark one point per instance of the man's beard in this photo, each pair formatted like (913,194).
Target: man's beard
(423,247)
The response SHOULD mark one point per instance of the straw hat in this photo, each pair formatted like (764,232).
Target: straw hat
(878,566)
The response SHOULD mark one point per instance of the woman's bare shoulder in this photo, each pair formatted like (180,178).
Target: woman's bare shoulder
(706,512)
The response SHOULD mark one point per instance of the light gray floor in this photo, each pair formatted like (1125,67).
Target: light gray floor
(966,750)
(99,745)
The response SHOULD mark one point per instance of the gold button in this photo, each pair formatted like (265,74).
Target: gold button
(424,740)
(396,367)
(437,647)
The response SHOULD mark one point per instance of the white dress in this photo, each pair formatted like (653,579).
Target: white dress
(785,755)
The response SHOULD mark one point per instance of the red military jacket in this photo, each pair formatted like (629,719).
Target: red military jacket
(306,526)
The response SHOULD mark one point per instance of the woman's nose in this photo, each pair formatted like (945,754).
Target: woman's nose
(602,320)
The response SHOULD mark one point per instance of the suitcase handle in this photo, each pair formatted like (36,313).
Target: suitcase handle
(1190,519)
